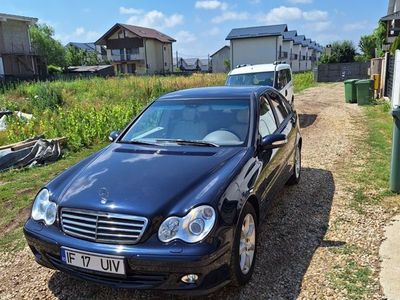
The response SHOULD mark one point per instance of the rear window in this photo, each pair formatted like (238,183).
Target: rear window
(261,78)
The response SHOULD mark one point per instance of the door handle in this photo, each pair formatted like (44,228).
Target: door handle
(286,93)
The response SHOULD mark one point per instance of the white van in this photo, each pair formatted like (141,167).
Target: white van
(277,75)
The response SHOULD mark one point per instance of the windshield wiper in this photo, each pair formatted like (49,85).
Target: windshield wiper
(137,142)
(188,142)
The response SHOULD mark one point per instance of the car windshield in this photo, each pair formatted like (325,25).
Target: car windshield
(262,78)
(195,122)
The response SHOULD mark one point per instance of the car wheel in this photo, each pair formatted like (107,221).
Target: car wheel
(244,247)
(295,178)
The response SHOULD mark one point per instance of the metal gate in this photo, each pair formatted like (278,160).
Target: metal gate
(389,76)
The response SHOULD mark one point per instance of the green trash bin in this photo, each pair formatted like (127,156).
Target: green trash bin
(365,91)
(350,91)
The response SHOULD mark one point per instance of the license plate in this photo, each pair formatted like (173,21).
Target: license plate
(92,261)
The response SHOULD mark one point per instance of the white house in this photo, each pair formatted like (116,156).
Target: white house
(392,21)
(304,56)
(288,45)
(137,50)
(256,45)
(219,58)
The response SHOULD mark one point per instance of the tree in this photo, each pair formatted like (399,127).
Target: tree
(372,45)
(227,65)
(368,44)
(46,46)
(78,57)
(341,52)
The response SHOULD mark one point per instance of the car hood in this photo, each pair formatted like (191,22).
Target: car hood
(147,181)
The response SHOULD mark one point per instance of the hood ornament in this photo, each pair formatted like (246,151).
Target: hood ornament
(103,194)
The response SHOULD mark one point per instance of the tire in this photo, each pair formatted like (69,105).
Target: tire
(295,177)
(241,272)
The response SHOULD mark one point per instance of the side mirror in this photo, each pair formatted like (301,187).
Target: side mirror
(274,141)
(114,135)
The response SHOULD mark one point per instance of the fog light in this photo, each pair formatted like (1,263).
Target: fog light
(190,278)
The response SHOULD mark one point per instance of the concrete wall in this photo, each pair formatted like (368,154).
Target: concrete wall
(341,72)
(296,62)
(309,62)
(218,60)
(263,50)
(303,62)
(287,46)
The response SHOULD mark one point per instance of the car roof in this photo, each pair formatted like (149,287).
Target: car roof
(218,92)
(259,68)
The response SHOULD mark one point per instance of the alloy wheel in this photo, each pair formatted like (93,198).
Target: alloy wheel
(247,243)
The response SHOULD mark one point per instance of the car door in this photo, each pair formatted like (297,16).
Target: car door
(269,159)
(286,124)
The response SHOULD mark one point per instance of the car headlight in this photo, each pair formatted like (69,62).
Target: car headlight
(43,209)
(192,228)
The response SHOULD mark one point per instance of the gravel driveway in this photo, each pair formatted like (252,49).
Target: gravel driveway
(293,256)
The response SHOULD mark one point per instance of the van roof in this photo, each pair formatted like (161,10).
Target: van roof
(259,68)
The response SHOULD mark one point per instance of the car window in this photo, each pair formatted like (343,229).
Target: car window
(280,109)
(282,79)
(260,78)
(222,122)
(288,76)
(267,123)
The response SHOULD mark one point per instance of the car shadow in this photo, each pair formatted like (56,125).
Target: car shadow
(294,228)
(307,120)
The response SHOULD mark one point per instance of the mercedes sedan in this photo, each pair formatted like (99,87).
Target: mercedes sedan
(175,201)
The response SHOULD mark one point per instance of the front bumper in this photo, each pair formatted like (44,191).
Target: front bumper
(150,265)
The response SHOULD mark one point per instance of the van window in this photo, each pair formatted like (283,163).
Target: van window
(282,79)
(288,76)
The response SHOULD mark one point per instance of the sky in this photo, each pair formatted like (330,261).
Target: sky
(201,26)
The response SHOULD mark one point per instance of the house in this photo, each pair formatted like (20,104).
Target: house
(219,59)
(256,45)
(304,55)
(288,45)
(17,58)
(392,21)
(297,53)
(309,54)
(138,50)
(204,65)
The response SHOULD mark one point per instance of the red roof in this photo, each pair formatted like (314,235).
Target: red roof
(140,31)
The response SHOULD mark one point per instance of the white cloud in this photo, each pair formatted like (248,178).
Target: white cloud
(284,14)
(79,31)
(318,26)
(185,37)
(156,19)
(281,14)
(355,26)
(230,16)
(300,1)
(130,11)
(213,31)
(211,4)
(315,15)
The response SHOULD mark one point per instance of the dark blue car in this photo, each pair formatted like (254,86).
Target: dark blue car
(175,201)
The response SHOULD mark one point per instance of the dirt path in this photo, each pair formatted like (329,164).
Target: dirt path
(298,254)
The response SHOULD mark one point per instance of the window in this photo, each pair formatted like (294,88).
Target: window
(267,123)
(279,107)
(121,34)
(131,68)
(288,76)
(262,78)
(282,79)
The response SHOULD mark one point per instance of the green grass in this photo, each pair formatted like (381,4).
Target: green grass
(303,81)
(372,182)
(19,187)
(353,278)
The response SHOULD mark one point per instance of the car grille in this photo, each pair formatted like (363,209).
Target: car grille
(103,227)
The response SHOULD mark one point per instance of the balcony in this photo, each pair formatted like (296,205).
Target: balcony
(128,57)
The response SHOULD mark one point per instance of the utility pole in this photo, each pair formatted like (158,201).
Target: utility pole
(177,60)
(395,165)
